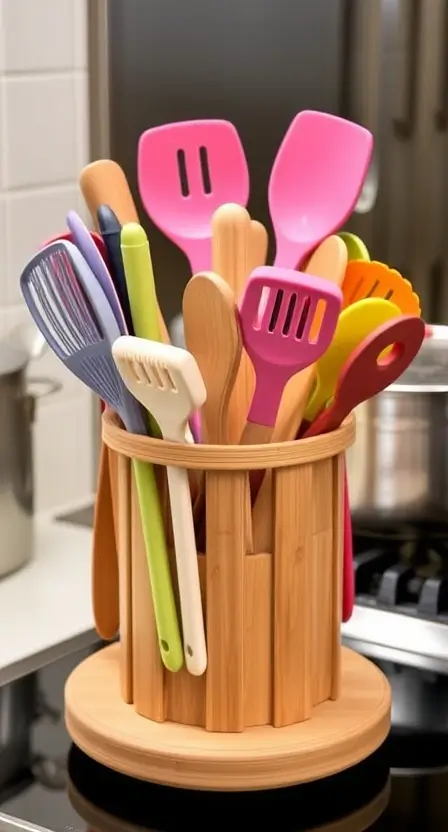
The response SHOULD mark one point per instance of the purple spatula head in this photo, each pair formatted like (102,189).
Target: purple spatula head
(76,319)
(277,333)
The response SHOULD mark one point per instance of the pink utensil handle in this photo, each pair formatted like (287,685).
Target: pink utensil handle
(348,573)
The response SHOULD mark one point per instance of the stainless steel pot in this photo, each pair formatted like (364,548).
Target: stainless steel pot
(398,466)
(17,407)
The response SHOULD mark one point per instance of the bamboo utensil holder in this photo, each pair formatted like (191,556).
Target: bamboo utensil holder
(276,671)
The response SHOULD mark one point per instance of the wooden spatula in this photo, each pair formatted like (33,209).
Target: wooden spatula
(329,261)
(213,336)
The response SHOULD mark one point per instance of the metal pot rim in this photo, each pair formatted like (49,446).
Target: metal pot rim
(417,388)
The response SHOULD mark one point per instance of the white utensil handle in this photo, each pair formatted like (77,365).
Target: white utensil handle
(195,650)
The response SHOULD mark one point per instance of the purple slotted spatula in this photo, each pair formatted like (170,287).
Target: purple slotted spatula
(277,336)
(185,172)
(76,319)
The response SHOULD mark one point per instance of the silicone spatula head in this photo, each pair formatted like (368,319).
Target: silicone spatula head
(315,181)
(185,172)
(376,280)
(279,336)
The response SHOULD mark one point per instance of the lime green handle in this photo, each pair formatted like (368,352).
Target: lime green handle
(158,565)
(141,288)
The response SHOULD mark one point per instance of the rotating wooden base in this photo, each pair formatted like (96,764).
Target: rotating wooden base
(339,735)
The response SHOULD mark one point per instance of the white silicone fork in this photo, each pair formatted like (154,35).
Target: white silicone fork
(167,381)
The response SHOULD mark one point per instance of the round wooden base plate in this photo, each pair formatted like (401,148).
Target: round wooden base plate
(339,734)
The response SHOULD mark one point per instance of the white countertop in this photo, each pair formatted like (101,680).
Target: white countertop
(45,607)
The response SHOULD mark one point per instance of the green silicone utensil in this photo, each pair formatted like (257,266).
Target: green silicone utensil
(143,305)
(356,249)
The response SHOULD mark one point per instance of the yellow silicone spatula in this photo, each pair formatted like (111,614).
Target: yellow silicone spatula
(355,323)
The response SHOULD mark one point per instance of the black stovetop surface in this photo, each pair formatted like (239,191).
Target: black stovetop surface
(369,796)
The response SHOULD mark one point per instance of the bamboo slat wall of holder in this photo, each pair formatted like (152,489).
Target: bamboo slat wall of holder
(272,618)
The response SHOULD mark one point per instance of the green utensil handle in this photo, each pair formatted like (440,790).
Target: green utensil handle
(165,613)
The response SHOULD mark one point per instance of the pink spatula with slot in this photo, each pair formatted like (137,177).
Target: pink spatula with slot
(315,182)
(185,172)
(278,337)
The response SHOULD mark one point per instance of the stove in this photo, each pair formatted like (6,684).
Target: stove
(401,609)
(400,621)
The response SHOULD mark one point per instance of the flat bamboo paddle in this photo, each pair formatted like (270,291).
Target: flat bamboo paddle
(231,240)
(212,335)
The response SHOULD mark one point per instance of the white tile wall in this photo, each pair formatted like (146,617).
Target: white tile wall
(43,146)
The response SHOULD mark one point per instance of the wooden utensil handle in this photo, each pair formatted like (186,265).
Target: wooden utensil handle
(104,556)
(256,434)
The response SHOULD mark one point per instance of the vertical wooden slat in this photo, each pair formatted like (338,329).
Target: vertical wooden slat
(147,664)
(119,467)
(226,526)
(322,580)
(184,693)
(337,558)
(258,640)
(292,596)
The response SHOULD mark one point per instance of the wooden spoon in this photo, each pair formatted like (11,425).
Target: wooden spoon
(213,336)
(258,246)
(329,261)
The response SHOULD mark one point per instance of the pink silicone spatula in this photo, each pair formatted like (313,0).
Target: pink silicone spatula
(362,377)
(315,182)
(186,171)
(278,336)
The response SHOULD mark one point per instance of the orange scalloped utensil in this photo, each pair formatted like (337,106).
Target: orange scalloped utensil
(364,279)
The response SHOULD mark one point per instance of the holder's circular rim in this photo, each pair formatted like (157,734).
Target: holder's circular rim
(226,457)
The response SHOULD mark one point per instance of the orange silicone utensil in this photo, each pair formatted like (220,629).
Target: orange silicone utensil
(370,279)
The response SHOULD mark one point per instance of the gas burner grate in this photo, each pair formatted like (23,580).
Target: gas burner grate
(404,569)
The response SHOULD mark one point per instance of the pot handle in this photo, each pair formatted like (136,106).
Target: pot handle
(48,385)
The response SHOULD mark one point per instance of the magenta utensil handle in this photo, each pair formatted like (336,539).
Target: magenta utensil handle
(348,572)
(198,252)
(269,385)
(195,426)
(290,254)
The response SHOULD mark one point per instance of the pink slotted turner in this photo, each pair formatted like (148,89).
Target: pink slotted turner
(315,182)
(186,171)
(278,338)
